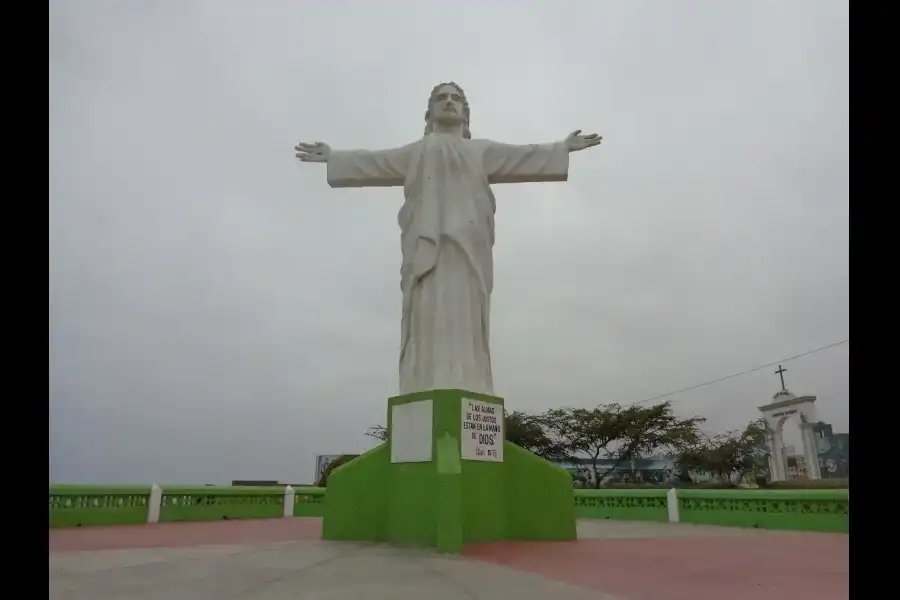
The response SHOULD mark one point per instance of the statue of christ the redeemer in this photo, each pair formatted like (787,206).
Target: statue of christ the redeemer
(447,224)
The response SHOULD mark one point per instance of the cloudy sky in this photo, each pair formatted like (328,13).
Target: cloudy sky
(218,312)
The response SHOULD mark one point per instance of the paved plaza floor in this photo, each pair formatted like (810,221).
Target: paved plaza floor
(283,558)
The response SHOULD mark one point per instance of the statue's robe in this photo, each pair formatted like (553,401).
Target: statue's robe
(447,224)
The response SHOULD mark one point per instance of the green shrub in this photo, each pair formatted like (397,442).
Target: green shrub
(714,485)
(797,484)
(635,486)
(810,484)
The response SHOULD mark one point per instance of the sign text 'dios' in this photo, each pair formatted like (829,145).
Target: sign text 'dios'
(481,437)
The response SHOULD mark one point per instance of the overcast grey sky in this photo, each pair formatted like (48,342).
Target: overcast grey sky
(218,312)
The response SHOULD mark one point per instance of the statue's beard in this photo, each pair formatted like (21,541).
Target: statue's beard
(447,122)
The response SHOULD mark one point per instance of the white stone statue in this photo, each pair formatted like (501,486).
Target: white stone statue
(447,224)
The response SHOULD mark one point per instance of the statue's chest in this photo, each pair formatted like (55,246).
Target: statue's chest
(447,158)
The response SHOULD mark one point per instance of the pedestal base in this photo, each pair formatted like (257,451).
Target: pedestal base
(443,500)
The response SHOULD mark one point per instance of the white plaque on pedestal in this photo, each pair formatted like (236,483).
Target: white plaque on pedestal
(481,437)
(411,432)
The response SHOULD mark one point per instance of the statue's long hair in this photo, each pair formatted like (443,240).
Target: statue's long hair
(428,125)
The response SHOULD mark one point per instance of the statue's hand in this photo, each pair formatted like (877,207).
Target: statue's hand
(576,141)
(318,152)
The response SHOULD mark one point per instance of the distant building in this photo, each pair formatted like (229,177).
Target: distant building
(263,483)
(322,462)
(833,450)
(645,470)
(796,463)
(255,482)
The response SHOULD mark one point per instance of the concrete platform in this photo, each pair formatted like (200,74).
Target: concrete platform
(283,558)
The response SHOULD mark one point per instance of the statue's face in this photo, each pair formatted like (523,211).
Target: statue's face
(447,105)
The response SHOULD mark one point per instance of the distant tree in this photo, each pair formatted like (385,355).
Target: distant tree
(756,449)
(646,430)
(583,431)
(378,432)
(732,454)
(529,432)
(622,433)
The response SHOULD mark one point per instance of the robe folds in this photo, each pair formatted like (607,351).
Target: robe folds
(447,239)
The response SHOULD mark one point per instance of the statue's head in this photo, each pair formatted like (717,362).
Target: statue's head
(447,104)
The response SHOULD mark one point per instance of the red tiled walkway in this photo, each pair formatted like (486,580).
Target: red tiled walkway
(771,566)
(634,561)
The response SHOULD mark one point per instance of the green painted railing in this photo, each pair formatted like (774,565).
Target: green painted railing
(85,505)
(309,502)
(625,505)
(802,510)
(217,503)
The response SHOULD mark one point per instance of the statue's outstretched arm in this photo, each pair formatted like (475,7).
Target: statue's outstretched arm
(358,168)
(513,163)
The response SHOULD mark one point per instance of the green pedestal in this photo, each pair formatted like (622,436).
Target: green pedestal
(456,488)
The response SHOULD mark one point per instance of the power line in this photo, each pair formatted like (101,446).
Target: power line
(747,372)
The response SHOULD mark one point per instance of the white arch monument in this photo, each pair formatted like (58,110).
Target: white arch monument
(784,405)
